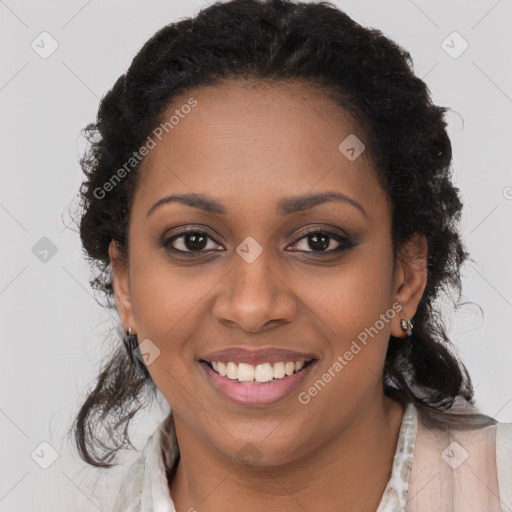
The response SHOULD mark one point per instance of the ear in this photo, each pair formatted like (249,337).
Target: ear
(410,280)
(121,285)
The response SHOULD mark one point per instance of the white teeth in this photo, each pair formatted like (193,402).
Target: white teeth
(261,373)
(221,369)
(245,372)
(232,370)
(278,370)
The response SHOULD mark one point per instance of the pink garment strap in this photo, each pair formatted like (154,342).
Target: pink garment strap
(504,464)
(454,470)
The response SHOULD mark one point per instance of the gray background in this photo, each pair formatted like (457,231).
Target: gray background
(52,328)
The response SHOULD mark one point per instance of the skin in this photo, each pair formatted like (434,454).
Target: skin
(249,146)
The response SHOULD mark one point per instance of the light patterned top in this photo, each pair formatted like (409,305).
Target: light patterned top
(441,470)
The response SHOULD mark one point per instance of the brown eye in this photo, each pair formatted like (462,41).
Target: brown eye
(318,241)
(322,242)
(190,241)
(195,241)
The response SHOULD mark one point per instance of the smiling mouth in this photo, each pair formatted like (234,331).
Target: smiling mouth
(257,374)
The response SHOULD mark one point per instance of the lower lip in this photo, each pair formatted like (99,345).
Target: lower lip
(256,394)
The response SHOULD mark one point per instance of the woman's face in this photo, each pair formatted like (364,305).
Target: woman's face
(270,266)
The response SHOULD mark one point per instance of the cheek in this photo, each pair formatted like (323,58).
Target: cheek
(167,307)
(353,308)
(354,313)
(351,296)
(167,299)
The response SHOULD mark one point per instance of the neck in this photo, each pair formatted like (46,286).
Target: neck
(352,467)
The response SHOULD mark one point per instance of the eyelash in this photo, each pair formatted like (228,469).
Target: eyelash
(344,242)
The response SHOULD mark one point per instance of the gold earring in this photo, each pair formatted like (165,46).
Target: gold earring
(130,332)
(407,326)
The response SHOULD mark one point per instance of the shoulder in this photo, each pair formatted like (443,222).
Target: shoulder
(129,493)
(504,462)
(462,463)
(145,482)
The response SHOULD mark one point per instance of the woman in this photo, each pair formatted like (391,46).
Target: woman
(268,198)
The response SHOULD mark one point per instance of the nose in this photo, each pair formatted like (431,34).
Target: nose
(254,297)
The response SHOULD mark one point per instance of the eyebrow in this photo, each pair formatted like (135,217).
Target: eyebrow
(285,206)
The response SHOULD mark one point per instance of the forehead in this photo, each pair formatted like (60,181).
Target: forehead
(248,142)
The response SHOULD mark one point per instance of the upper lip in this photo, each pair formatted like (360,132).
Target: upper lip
(257,356)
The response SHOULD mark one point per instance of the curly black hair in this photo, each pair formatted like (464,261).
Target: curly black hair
(371,78)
